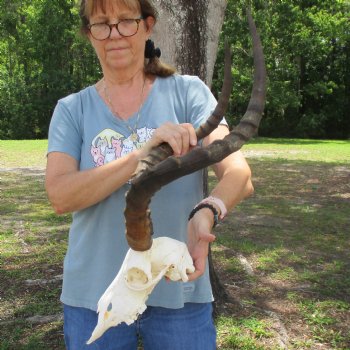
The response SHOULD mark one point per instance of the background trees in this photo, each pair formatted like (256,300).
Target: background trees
(42,58)
(307,48)
(306,45)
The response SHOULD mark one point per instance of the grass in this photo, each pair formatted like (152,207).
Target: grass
(23,153)
(325,151)
(28,153)
(293,232)
(245,333)
(32,245)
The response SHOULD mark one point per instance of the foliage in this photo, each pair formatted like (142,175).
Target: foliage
(40,62)
(43,57)
(307,52)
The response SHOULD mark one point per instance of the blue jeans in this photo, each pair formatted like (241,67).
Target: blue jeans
(189,328)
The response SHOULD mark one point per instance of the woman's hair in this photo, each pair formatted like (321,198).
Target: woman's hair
(153,65)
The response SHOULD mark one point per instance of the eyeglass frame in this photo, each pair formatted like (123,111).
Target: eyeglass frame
(137,20)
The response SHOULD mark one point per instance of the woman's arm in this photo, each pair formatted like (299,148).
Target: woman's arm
(234,184)
(233,173)
(70,189)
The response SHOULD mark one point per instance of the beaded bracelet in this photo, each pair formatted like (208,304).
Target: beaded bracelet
(218,202)
(205,205)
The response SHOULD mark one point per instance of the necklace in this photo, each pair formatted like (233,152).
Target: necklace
(133,130)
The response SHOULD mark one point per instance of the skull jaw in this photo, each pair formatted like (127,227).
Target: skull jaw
(125,298)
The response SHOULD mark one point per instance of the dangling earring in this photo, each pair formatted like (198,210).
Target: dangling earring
(151,51)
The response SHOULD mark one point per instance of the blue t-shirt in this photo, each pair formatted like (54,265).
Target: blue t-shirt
(84,127)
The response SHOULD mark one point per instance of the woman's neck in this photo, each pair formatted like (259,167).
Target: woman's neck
(123,95)
(125,79)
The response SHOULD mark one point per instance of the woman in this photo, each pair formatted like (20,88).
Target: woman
(96,139)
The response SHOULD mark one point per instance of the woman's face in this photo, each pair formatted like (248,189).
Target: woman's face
(118,53)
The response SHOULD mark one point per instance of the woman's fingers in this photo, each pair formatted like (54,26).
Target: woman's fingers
(180,137)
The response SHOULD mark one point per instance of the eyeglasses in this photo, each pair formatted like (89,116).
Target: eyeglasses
(125,27)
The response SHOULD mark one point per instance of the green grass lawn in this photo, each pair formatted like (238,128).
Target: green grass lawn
(23,153)
(32,153)
(325,151)
(293,234)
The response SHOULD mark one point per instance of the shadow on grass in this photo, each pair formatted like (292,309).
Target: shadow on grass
(294,234)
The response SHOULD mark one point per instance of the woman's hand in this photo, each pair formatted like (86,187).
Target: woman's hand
(199,237)
(180,137)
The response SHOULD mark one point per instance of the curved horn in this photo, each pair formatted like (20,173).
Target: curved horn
(152,178)
(164,151)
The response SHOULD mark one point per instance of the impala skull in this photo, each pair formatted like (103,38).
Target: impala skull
(149,259)
(126,297)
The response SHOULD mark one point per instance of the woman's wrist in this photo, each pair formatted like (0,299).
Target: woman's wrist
(218,204)
(208,206)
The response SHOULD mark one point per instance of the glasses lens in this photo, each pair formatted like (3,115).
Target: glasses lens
(128,27)
(100,31)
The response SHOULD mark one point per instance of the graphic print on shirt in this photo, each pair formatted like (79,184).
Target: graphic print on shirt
(109,145)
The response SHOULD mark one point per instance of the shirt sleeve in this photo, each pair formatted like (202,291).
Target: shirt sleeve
(200,103)
(65,133)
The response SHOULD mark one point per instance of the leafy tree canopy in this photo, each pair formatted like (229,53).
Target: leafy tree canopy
(306,42)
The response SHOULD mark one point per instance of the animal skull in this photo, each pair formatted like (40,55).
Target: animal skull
(125,298)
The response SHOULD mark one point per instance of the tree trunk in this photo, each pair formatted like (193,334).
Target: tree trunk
(187,32)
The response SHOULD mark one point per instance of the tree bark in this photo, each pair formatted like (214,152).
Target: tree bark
(187,32)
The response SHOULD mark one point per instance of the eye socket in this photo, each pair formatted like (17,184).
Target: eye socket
(110,306)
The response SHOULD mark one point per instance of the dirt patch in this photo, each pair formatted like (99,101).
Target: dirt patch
(32,171)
